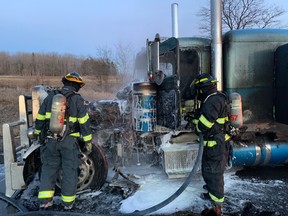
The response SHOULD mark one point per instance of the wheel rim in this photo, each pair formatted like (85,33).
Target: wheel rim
(86,175)
(87,172)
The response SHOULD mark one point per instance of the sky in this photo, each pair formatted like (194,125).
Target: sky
(81,27)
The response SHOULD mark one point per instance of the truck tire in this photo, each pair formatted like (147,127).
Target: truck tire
(93,169)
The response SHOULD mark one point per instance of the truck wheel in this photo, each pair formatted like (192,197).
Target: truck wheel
(93,170)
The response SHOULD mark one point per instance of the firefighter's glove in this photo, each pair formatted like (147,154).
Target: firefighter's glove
(233,131)
(191,120)
(87,148)
(188,116)
(39,136)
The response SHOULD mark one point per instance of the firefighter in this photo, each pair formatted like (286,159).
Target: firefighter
(210,120)
(62,152)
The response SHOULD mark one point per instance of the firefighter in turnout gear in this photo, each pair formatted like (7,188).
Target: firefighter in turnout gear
(61,152)
(210,120)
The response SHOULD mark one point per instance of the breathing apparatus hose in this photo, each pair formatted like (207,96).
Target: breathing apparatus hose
(181,189)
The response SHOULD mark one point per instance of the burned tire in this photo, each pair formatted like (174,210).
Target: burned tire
(93,170)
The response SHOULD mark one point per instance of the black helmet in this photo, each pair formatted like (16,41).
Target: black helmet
(204,80)
(73,77)
(202,85)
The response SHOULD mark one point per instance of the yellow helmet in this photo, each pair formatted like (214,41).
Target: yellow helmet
(74,77)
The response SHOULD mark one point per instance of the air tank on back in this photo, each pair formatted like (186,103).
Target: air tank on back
(248,68)
(57,114)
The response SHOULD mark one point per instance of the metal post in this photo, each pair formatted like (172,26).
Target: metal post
(216,47)
(174,8)
(24,141)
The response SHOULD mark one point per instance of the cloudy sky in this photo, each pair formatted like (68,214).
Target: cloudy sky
(81,27)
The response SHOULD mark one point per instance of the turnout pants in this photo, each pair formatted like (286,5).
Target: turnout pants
(213,166)
(59,157)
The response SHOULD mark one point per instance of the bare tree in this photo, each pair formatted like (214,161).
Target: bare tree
(105,54)
(242,14)
(122,57)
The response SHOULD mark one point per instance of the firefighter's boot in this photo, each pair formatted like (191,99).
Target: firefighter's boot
(46,204)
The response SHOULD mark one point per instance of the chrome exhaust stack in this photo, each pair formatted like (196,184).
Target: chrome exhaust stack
(174,9)
(216,46)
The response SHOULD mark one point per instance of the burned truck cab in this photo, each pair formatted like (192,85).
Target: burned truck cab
(172,66)
(160,103)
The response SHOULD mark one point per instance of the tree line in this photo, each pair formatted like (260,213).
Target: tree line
(32,64)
